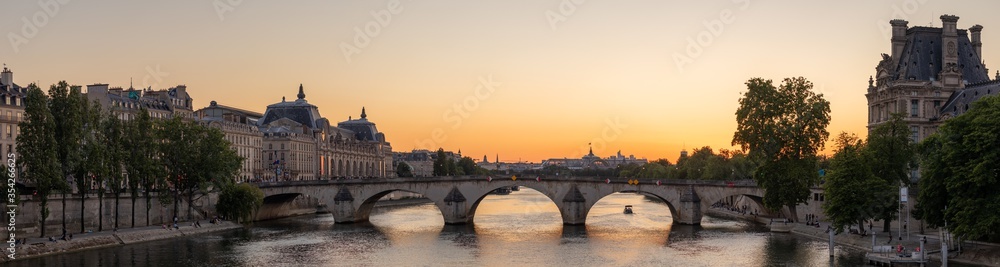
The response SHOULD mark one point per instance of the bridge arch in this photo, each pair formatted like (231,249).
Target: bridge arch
(368,204)
(286,204)
(475,204)
(660,196)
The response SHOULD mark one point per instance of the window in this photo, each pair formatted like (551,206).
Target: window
(914,107)
(282,146)
(937,104)
(10,130)
(914,133)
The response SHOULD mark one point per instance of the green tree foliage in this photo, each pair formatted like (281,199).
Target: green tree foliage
(39,157)
(114,158)
(240,202)
(853,193)
(964,157)
(705,164)
(933,197)
(440,163)
(695,166)
(404,170)
(91,148)
(197,160)
(66,105)
(783,128)
(142,163)
(891,157)
(94,169)
(469,167)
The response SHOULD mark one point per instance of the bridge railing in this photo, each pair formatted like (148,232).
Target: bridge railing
(543,178)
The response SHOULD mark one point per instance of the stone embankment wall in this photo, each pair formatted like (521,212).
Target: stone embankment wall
(28,213)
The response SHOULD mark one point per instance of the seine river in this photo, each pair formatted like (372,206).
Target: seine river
(520,229)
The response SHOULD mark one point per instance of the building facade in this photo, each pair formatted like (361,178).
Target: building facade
(591,161)
(240,128)
(126,103)
(300,144)
(11,111)
(931,74)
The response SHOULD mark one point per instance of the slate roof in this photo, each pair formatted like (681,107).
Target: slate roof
(299,111)
(363,129)
(961,100)
(921,56)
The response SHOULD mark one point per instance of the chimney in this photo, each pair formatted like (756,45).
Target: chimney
(976,33)
(949,40)
(6,77)
(898,36)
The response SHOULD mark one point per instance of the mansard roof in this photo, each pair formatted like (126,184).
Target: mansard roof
(299,111)
(921,56)
(961,100)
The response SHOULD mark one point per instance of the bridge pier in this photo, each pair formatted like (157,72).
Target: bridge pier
(455,210)
(343,208)
(574,207)
(689,210)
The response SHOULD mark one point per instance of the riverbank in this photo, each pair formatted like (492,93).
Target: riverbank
(979,255)
(37,247)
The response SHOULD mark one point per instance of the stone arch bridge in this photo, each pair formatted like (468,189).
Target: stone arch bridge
(458,197)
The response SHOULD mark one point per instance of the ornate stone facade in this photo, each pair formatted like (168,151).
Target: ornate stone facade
(299,144)
(931,74)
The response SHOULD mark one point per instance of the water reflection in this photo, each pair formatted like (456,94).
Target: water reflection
(523,228)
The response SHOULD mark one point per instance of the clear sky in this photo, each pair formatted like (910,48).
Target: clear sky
(525,79)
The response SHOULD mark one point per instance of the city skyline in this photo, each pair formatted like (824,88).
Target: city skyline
(646,85)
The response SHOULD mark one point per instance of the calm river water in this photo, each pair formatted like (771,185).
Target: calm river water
(520,229)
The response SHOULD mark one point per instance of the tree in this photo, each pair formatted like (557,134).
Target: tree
(197,160)
(695,165)
(404,170)
(891,155)
(91,147)
(239,202)
(964,157)
(782,128)
(933,197)
(469,167)
(853,193)
(66,105)
(39,158)
(114,158)
(440,167)
(97,158)
(142,162)
(216,164)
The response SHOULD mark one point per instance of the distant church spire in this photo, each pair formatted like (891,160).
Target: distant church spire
(363,115)
(302,94)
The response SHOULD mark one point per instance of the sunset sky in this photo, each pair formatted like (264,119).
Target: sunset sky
(560,73)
